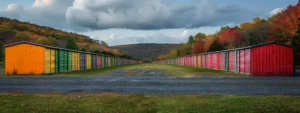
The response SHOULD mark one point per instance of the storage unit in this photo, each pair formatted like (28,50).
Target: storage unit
(70,61)
(199,61)
(272,59)
(222,60)
(203,61)
(76,61)
(49,61)
(63,61)
(94,61)
(244,61)
(216,61)
(88,61)
(99,61)
(82,61)
(232,61)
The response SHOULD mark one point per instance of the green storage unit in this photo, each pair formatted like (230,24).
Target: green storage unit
(70,67)
(63,61)
(57,61)
(103,62)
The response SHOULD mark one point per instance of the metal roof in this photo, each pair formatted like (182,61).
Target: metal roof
(51,47)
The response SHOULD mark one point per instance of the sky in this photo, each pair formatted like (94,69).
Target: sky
(140,21)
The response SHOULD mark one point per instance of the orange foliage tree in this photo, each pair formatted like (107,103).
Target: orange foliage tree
(229,38)
(198,47)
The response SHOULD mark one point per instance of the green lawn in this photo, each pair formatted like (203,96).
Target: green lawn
(115,103)
(172,70)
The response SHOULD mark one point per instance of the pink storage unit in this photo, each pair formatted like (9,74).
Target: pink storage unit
(232,60)
(207,60)
(222,61)
(216,60)
(245,64)
(211,61)
(99,61)
(203,61)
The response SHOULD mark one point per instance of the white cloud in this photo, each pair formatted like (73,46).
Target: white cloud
(184,33)
(13,11)
(275,11)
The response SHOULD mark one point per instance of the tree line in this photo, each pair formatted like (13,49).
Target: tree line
(282,27)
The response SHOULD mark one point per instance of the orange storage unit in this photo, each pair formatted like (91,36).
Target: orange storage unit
(24,58)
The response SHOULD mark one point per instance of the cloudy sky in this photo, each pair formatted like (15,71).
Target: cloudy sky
(140,21)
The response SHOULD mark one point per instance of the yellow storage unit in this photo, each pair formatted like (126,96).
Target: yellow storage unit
(49,61)
(24,58)
(75,61)
(198,60)
(88,61)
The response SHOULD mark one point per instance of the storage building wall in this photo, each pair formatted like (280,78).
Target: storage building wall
(272,60)
(24,59)
(99,61)
(199,60)
(203,61)
(94,61)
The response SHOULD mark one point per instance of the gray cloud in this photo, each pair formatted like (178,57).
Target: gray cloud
(13,11)
(153,14)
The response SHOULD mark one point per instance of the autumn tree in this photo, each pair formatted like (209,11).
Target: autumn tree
(200,36)
(71,44)
(22,36)
(198,47)
(230,38)
(286,22)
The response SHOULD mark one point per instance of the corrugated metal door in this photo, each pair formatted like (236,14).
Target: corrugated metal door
(232,60)
(199,61)
(47,61)
(88,61)
(272,60)
(222,61)
(82,61)
(245,61)
(214,61)
(70,63)
(63,61)
(211,61)
(53,60)
(203,61)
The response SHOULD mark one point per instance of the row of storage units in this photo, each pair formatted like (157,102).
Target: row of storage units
(269,59)
(25,58)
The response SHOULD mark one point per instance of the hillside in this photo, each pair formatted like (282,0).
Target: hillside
(146,51)
(12,31)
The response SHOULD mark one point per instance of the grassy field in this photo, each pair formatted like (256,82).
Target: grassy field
(172,70)
(115,103)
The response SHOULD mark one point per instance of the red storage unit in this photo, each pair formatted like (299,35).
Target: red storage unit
(222,61)
(272,59)
(232,60)
(244,61)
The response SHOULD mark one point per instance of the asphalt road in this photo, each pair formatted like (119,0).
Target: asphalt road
(152,82)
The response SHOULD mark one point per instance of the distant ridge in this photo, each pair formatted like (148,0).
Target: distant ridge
(146,51)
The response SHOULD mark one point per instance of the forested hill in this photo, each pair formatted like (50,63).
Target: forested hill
(15,31)
(148,50)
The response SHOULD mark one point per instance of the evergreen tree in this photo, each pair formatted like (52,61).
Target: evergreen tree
(215,46)
(296,44)
(71,44)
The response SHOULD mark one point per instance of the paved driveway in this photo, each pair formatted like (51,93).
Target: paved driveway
(152,82)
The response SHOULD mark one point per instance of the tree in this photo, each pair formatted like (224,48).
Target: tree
(22,36)
(1,52)
(103,43)
(296,44)
(286,22)
(42,40)
(191,40)
(200,36)
(230,38)
(198,47)
(215,46)
(71,44)
(6,33)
